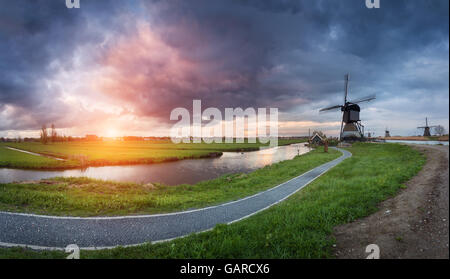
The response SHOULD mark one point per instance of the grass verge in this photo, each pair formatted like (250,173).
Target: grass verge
(301,226)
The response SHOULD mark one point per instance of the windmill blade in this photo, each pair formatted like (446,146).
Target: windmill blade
(330,108)
(347,78)
(364,99)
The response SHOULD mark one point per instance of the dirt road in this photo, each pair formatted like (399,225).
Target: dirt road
(413,224)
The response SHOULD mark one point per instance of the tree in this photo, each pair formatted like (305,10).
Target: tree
(440,130)
(54,134)
(44,134)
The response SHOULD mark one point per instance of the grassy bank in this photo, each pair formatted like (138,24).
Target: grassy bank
(84,154)
(89,197)
(299,227)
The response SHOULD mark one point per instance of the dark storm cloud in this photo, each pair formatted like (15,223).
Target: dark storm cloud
(289,51)
(287,54)
(27,30)
(37,39)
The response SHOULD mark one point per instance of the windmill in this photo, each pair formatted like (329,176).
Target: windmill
(351,127)
(387,134)
(426,128)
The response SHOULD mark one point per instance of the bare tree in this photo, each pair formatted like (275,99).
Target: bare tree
(440,130)
(54,134)
(44,134)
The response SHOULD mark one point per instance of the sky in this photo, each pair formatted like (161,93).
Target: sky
(119,67)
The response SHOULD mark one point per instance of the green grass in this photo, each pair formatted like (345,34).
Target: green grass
(301,226)
(14,159)
(83,154)
(89,197)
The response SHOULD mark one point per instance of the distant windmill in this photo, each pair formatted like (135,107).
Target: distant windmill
(387,134)
(426,128)
(352,130)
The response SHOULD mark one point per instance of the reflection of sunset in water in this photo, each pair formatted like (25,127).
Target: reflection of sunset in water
(261,158)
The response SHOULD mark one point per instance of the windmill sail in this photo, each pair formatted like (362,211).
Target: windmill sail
(347,78)
(331,108)
(364,99)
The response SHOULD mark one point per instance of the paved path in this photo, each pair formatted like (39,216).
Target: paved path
(49,232)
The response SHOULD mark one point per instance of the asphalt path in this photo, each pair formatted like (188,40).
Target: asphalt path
(52,232)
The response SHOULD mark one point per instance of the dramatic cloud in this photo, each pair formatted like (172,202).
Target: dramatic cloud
(124,65)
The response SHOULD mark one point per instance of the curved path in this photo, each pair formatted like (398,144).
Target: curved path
(51,232)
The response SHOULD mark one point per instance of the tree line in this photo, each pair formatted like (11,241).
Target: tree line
(51,135)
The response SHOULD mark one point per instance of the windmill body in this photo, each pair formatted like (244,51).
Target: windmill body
(387,134)
(352,123)
(351,127)
(426,129)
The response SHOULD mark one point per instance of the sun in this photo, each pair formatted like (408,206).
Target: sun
(112,133)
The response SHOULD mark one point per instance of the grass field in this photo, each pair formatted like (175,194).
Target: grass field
(299,227)
(14,159)
(83,154)
(88,197)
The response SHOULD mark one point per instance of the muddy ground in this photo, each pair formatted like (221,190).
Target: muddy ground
(413,224)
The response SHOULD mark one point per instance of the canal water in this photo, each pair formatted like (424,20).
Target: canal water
(429,142)
(171,173)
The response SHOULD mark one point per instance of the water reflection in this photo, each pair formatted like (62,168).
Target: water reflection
(172,173)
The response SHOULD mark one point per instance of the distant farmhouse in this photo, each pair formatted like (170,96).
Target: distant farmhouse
(317,139)
(92,138)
